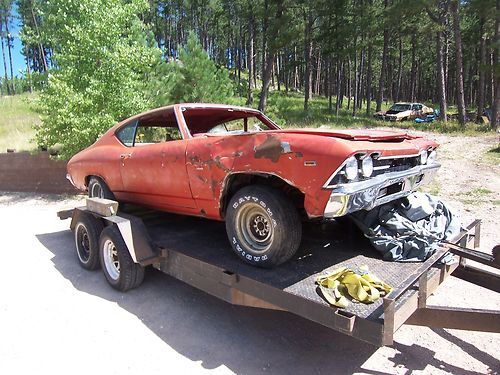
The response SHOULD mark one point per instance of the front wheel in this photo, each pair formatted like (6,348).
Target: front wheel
(263,226)
(99,189)
(120,270)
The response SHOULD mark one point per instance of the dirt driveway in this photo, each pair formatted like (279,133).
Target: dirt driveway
(57,318)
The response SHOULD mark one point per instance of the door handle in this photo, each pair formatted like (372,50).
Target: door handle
(124,156)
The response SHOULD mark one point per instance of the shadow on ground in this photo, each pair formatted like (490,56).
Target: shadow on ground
(203,328)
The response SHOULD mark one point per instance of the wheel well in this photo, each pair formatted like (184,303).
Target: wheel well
(238,180)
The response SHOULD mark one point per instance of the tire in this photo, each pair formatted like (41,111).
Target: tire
(87,231)
(120,270)
(263,226)
(99,189)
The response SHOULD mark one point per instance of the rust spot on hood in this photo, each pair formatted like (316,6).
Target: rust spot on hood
(271,149)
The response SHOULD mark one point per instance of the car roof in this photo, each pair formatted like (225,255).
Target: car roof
(188,105)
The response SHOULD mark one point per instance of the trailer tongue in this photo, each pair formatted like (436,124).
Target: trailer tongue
(196,252)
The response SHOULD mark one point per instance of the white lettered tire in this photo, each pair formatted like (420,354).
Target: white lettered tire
(263,226)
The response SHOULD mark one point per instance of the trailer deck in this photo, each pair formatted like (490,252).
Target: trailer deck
(196,251)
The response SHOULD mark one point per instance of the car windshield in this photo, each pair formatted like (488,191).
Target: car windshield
(225,121)
(400,107)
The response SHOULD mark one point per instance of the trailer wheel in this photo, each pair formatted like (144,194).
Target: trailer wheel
(87,232)
(263,226)
(120,270)
(99,189)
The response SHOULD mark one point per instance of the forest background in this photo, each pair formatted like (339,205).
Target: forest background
(91,63)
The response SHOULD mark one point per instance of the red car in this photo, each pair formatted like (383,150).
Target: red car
(235,164)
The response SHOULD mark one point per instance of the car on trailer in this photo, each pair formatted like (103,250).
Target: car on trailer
(234,164)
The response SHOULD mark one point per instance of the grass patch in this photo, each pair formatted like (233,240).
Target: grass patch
(493,156)
(477,192)
(477,196)
(433,188)
(16,123)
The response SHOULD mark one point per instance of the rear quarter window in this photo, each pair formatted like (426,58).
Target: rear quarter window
(126,134)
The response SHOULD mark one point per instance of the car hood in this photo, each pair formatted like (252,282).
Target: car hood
(398,112)
(354,134)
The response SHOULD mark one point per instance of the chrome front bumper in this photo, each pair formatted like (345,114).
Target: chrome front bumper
(364,195)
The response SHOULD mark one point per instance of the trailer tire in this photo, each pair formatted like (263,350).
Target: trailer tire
(87,230)
(98,189)
(120,270)
(263,226)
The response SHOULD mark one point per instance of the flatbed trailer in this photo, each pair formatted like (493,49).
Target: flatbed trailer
(196,251)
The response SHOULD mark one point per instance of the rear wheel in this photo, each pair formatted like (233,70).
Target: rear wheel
(263,226)
(99,189)
(120,270)
(87,232)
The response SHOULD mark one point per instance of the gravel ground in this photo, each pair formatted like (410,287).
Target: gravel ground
(57,318)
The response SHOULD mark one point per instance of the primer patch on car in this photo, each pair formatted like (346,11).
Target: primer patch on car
(272,148)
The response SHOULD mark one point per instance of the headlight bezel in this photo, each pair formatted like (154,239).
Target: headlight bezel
(351,168)
(424,157)
(432,157)
(367,166)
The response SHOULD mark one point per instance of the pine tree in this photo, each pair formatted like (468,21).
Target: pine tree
(193,77)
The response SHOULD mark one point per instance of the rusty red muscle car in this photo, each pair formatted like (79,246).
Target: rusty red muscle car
(235,164)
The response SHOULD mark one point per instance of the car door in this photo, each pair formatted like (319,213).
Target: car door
(153,170)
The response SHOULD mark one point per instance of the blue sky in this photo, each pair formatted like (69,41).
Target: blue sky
(18,62)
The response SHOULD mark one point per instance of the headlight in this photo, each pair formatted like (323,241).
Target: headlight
(351,168)
(432,158)
(367,166)
(423,157)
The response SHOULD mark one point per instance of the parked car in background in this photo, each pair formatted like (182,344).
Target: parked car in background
(404,111)
(235,164)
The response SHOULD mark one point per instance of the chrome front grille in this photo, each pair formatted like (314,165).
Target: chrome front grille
(381,166)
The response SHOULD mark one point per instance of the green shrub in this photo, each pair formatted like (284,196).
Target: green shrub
(102,60)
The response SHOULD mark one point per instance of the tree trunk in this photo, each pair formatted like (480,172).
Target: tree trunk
(349,83)
(459,64)
(28,70)
(6,77)
(41,49)
(360,78)
(9,49)
(369,80)
(400,70)
(381,82)
(413,80)
(318,74)
(268,66)
(308,45)
(251,36)
(356,82)
(496,103)
(440,76)
(339,87)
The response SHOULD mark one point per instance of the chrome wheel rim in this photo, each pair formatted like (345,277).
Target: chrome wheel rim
(96,191)
(111,261)
(82,243)
(254,227)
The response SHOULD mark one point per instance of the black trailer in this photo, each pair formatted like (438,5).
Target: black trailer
(196,251)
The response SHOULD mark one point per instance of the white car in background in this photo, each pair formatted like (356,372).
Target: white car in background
(404,111)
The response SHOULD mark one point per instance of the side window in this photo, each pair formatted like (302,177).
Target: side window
(126,134)
(150,134)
